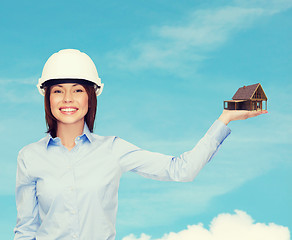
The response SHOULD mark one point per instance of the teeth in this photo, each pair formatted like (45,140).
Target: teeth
(68,109)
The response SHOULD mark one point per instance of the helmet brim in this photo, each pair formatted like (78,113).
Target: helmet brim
(52,82)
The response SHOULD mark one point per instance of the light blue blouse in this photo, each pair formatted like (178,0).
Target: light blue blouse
(63,194)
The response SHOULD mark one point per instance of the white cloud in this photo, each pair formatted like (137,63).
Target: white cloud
(225,226)
(208,28)
(142,237)
(204,30)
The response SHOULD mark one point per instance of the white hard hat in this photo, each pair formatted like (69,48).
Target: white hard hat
(69,66)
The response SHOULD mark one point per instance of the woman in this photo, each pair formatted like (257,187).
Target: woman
(67,183)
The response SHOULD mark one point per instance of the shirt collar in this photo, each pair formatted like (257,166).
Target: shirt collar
(87,133)
(85,136)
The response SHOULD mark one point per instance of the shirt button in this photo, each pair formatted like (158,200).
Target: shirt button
(75,236)
(73,212)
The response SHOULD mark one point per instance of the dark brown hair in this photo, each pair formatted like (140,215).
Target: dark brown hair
(89,118)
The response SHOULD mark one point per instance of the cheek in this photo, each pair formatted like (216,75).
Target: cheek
(54,101)
(83,102)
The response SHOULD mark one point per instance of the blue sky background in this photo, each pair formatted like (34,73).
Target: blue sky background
(167,66)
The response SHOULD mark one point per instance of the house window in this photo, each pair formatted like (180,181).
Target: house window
(225,105)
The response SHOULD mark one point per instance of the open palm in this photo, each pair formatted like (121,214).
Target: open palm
(232,115)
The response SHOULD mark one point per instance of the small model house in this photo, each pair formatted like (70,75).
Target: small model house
(249,98)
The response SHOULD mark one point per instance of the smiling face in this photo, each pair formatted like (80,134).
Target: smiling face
(69,103)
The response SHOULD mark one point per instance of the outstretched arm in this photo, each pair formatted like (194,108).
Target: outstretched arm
(186,166)
(171,168)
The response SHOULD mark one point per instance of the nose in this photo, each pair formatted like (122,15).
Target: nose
(68,97)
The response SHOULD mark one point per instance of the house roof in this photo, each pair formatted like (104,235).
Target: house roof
(247,92)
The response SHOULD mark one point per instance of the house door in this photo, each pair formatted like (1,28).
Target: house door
(258,105)
(254,105)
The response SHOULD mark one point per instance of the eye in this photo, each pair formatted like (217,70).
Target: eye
(79,90)
(57,91)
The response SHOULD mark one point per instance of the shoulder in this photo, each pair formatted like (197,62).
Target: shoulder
(34,147)
(101,142)
(113,142)
(107,139)
(102,139)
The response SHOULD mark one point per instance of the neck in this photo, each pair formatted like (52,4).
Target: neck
(68,132)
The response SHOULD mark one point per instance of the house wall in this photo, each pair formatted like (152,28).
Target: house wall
(246,105)
(230,106)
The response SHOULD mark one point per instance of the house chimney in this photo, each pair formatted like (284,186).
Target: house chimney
(244,86)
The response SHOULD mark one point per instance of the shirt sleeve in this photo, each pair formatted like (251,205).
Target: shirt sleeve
(162,167)
(26,203)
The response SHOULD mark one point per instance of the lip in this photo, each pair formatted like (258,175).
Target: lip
(68,110)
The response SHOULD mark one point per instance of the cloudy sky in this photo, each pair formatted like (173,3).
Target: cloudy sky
(167,67)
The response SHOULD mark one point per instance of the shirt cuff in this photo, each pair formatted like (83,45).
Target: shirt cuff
(219,131)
